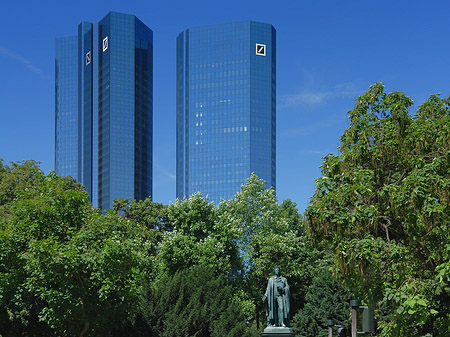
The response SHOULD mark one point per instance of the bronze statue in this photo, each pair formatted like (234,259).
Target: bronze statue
(277,300)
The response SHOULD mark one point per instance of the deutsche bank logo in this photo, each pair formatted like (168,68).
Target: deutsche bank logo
(88,57)
(260,49)
(105,43)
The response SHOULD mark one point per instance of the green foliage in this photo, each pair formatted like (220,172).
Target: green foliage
(196,303)
(195,216)
(93,280)
(256,214)
(325,300)
(197,238)
(383,203)
(20,188)
(269,235)
(143,269)
(63,263)
(19,177)
(289,212)
(151,214)
(242,239)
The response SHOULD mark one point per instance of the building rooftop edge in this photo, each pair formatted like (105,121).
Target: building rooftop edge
(226,23)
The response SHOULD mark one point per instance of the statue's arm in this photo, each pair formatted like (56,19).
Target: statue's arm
(266,294)
(286,285)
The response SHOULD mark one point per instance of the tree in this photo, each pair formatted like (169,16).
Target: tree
(14,179)
(196,302)
(80,272)
(91,283)
(20,184)
(151,214)
(269,235)
(197,238)
(324,300)
(384,204)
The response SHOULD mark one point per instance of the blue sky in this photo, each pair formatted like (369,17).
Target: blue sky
(328,53)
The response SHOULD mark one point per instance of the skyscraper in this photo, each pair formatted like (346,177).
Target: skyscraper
(104,108)
(226,108)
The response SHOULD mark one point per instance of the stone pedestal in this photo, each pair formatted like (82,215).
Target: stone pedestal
(277,331)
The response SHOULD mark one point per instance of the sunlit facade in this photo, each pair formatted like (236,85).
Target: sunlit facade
(67,137)
(104,108)
(226,108)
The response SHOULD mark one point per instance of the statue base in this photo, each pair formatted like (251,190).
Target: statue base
(277,331)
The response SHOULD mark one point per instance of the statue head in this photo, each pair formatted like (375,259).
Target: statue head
(277,271)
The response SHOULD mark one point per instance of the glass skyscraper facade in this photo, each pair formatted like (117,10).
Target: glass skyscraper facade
(104,108)
(226,108)
(67,135)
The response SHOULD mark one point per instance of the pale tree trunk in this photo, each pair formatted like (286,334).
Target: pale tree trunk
(86,324)
(85,329)
(257,319)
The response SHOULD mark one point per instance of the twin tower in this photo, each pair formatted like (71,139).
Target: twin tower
(225,108)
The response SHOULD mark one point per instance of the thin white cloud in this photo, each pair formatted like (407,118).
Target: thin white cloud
(301,131)
(314,128)
(166,173)
(27,63)
(163,171)
(170,175)
(313,98)
(315,152)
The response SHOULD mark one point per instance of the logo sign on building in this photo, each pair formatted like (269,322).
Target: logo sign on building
(105,43)
(88,57)
(260,49)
